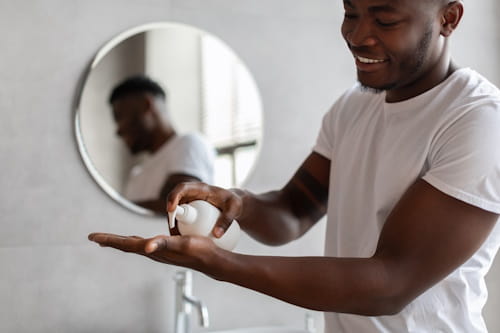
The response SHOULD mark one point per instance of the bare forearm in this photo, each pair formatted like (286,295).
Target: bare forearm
(359,286)
(281,216)
(268,218)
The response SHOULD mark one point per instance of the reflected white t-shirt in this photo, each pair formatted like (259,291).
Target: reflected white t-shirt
(188,154)
(450,137)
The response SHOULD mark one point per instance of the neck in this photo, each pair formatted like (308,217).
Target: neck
(430,78)
(162,138)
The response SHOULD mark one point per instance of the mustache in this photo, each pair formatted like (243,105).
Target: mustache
(364,50)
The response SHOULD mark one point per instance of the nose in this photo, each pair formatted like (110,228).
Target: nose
(360,33)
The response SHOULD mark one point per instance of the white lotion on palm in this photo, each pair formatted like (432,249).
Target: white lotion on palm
(198,218)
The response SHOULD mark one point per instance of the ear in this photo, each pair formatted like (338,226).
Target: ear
(148,102)
(149,106)
(151,111)
(451,16)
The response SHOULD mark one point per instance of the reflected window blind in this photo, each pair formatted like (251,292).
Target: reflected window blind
(231,105)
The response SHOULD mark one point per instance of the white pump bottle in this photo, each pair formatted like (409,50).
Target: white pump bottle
(198,218)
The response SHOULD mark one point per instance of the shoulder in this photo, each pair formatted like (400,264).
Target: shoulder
(191,139)
(471,87)
(466,98)
(467,124)
(195,142)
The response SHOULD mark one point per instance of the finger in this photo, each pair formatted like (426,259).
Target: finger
(226,218)
(100,237)
(157,243)
(136,237)
(223,223)
(183,192)
(175,245)
(127,244)
(174,197)
(186,192)
(183,251)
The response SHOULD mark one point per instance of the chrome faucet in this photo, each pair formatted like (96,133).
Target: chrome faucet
(184,302)
(309,321)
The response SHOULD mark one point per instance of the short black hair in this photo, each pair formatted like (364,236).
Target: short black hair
(136,84)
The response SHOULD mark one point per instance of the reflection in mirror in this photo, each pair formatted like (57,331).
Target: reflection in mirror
(157,90)
(145,126)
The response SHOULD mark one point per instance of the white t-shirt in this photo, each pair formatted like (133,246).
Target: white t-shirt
(450,137)
(188,154)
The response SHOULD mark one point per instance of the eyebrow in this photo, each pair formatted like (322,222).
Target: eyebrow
(373,9)
(348,3)
(382,8)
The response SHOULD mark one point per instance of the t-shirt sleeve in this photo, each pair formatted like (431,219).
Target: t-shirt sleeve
(464,161)
(195,157)
(324,141)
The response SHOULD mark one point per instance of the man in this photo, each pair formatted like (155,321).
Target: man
(144,124)
(407,170)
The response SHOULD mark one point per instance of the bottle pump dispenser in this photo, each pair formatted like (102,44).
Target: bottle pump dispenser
(198,218)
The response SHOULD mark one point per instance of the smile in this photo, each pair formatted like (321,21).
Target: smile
(368,61)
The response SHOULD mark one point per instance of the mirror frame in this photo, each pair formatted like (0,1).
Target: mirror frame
(92,170)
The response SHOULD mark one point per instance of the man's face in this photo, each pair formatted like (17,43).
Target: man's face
(133,121)
(394,42)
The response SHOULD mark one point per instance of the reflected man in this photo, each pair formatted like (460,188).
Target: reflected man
(144,124)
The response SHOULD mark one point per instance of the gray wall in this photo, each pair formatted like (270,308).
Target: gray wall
(52,279)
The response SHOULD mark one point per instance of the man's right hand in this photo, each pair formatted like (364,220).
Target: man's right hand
(227,201)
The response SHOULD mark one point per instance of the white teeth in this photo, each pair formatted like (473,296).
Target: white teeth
(368,61)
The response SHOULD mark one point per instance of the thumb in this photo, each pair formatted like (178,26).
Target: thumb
(157,243)
(161,243)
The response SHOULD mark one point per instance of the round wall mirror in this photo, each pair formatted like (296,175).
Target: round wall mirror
(208,105)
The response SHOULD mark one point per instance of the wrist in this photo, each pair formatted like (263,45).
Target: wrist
(218,264)
(243,198)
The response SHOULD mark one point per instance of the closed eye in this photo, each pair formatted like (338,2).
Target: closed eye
(387,24)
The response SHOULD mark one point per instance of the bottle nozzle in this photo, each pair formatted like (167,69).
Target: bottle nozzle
(171,215)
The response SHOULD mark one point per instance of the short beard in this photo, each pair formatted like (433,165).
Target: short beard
(372,90)
(421,52)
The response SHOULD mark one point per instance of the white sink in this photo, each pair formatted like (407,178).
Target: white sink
(270,329)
